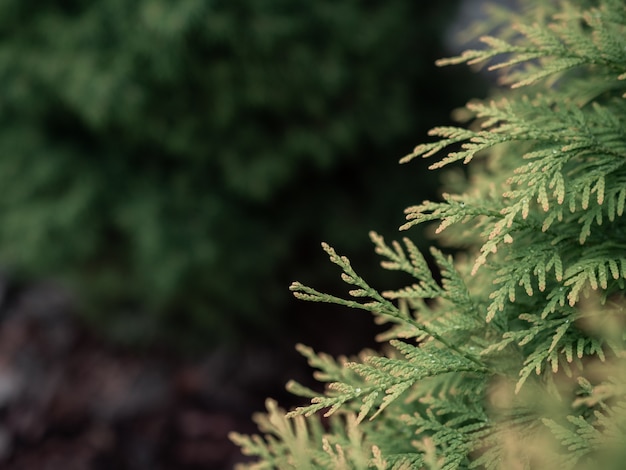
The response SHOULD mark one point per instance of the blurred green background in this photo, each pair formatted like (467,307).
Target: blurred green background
(177,163)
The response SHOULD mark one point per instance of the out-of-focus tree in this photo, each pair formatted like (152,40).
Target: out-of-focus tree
(169,159)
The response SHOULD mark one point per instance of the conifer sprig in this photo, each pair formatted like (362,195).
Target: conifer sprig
(594,37)
(379,304)
(296,443)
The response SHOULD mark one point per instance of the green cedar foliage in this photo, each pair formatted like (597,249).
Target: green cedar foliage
(514,355)
(170,157)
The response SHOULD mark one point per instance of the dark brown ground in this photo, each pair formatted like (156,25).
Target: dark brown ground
(70,401)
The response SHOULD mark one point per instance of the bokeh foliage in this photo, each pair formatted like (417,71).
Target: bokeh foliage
(169,159)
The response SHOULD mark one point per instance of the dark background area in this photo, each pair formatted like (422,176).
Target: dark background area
(166,170)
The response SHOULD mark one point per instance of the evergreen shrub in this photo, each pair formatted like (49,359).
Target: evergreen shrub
(512,354)
(169,159)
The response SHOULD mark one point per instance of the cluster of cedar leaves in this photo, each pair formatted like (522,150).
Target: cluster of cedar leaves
(515,356)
